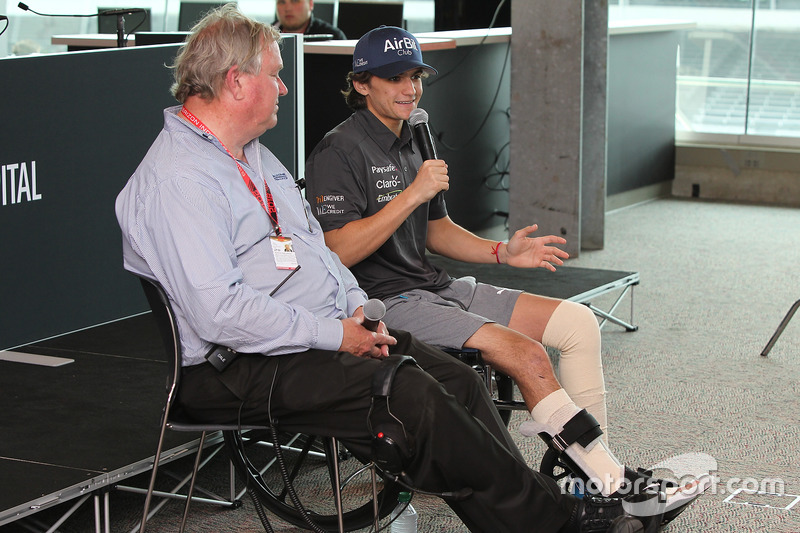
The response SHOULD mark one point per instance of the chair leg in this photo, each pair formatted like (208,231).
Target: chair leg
(191,483)
(332,448)
(376,510)
(152,484)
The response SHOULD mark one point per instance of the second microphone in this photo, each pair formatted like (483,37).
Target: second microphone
(374,310)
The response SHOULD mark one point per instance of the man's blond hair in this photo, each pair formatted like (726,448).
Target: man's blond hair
(223,39)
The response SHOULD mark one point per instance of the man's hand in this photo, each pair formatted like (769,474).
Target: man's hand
(362,342)
(431,178)
(527,252)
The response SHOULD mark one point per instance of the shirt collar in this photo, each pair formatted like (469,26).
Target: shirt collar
(379,133)
(173,122)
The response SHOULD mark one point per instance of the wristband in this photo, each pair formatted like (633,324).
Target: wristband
(496,252)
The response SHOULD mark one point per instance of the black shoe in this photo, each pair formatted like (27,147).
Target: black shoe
(594,514)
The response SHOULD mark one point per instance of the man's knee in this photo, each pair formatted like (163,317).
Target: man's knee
(501,340)
(414,395)
(572,326)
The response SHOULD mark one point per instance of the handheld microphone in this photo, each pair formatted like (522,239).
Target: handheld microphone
(422,134)
(374,310)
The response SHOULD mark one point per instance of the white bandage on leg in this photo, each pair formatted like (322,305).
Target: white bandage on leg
(595,459)
(573,330)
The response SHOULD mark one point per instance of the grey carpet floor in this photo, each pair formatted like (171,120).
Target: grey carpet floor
(716,280)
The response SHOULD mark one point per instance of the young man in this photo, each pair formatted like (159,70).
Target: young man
(214,217)
(380,207)
(297,16)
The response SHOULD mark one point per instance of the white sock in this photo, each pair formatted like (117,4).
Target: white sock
(596,460)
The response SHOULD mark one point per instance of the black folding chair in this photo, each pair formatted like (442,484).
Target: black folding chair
(241,442)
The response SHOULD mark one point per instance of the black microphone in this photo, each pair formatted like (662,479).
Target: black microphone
(422,133)
(23,6)
(126,11)
(374,310)
(119,13)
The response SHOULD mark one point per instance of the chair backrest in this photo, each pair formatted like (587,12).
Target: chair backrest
(168,328)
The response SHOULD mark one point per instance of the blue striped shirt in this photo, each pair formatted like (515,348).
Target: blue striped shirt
(189,222)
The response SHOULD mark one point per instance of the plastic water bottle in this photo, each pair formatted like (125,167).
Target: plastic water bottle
(406,522)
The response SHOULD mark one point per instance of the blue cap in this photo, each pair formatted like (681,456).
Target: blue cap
(388,51)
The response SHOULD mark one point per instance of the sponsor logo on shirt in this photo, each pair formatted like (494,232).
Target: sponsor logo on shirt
(321,199)
(384,170)
(386,184)
(326,204)
(280,176)
(388,197)
(329,209)
(386,178)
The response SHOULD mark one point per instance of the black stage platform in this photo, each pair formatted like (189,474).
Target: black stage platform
(74,431)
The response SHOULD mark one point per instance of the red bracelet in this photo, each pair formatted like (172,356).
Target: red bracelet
(496,252)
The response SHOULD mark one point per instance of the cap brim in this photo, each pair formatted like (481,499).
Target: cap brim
(387,71)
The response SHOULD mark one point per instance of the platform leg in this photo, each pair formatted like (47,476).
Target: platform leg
(780,329)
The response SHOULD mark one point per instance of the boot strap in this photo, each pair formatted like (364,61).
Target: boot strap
(581,428)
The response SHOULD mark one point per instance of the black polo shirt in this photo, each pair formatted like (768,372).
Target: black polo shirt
(352,173)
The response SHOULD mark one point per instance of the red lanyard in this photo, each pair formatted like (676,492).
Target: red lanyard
(269,207)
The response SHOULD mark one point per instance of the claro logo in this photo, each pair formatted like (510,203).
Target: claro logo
(386,184)
(18,183)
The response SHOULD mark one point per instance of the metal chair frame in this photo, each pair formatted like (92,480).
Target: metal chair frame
(501,386)
(165,318)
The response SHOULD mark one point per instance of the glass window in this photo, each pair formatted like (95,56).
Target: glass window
(738,68)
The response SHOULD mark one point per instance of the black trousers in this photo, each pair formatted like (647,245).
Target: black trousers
(459,439)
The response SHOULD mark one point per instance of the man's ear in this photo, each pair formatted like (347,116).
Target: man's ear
(361,87)
(233,81)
